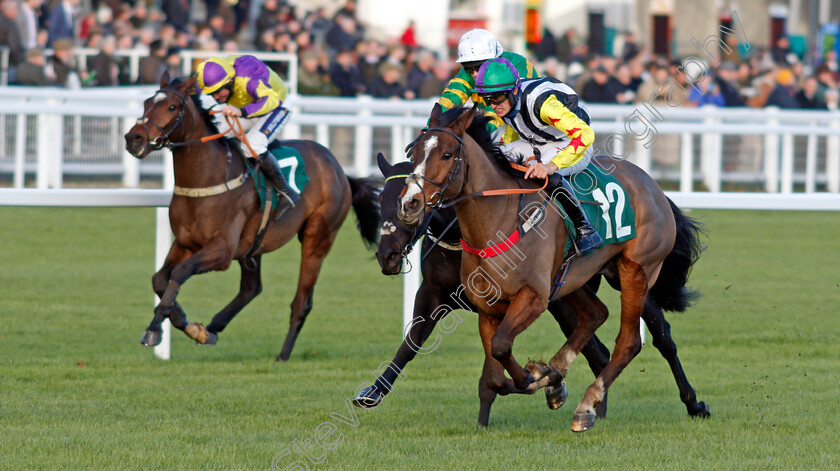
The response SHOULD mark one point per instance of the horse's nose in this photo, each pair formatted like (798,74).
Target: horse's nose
(411,206)
(132,139)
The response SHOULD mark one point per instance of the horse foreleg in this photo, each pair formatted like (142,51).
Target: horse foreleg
(212,256)
(596,353)
(315,244)
(250,285)
(524,309)
(627,345)
(427,312)
(160,281)
(660,332)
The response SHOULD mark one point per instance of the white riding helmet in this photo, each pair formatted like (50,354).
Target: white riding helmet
(478,45)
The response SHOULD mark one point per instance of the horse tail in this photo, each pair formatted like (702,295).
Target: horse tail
(669,291)
(366,205)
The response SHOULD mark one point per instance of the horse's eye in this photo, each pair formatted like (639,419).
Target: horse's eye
(171,107)
(447,156)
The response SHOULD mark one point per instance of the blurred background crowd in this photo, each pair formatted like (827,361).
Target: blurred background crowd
(337,58)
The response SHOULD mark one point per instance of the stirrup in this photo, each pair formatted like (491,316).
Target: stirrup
(588,241)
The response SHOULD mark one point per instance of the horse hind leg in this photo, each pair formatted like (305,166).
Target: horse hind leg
(250,285)
(660,331)
(596,353)
(315,244)
(627,346)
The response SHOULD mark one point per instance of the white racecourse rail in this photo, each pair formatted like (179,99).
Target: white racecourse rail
(160,199)
(52,132)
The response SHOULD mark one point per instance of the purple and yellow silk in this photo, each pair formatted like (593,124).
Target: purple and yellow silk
(257,90)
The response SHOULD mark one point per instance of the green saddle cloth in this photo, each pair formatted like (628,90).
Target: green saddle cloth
(606,206)
(292,166)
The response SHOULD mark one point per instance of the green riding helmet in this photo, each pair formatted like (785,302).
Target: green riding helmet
(496,76)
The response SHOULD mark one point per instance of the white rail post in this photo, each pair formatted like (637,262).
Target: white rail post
(131,166)
(397,143)
(20,151)
(771,153)
(811,162)
(411,282)
(710,153)
(163,240)
(42,175)
(292,129)
(363,142)
(642,155)
(832,164)
(686,162)
(787,163)
(322,134)
(57,153)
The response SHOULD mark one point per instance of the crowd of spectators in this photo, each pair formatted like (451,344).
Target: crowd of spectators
(337,58)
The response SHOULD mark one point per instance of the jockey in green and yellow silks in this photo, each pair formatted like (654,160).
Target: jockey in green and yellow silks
(553,133)
(474,48)
(251,90)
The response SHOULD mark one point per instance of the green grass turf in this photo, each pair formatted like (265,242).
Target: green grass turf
(78,391)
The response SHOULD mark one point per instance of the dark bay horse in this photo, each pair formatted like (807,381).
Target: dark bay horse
(211,231)
(449,165)
(441,278)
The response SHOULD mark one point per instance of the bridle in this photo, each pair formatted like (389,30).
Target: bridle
(435,201)
(163,140)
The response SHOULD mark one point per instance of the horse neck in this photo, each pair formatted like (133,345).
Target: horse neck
(202,164)
(479,216)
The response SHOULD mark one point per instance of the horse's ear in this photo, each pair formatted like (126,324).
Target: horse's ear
(435,117)
(164,79)
(464,121)
(384,166)
(189,86)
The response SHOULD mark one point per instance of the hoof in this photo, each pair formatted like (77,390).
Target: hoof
(701,410)
(555,397)
(197,332)
(583,421)
(151,338)
(284,357)
(369,398)
(537,370)
(211,340)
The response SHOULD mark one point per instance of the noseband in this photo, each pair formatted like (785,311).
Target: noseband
(436,200)
(163,139)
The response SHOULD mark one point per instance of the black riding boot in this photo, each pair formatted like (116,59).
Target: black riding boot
(271,170)
(559,188)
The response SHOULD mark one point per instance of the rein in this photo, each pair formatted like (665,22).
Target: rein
(439,204)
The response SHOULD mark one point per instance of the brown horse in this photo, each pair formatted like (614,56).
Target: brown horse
(448,165)
(211,231)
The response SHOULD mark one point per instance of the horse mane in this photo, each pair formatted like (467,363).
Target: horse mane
(176,83)
(208,120)
(479,133)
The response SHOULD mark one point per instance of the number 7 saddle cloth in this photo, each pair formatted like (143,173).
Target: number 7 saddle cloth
(292,166)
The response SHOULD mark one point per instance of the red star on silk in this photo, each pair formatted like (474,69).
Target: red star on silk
(572,131)
(575,143)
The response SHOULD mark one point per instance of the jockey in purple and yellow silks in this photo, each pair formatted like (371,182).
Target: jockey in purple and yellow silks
(552,133)
(254,92)
(475,47)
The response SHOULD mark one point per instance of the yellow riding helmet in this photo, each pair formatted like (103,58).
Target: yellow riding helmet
(213,74)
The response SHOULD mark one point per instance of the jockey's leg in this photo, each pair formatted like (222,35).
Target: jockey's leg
(559,188)
(265,130)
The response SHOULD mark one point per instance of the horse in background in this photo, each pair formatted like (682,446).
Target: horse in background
(213,230)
